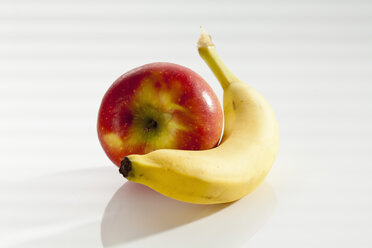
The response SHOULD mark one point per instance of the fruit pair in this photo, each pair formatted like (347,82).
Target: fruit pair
(225,173)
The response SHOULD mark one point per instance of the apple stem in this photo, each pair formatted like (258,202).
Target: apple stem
(207,51)
(151,124)
(125,167)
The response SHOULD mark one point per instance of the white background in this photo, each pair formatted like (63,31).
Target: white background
(311,59)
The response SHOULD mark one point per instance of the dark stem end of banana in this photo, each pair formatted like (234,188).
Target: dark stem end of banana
(125,167)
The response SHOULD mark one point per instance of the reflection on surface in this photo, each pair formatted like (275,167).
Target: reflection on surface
(140,217)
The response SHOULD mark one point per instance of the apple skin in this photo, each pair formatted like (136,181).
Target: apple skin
(155,106)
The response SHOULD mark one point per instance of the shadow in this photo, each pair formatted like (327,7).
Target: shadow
(140,217)
(136,211)
(66,208)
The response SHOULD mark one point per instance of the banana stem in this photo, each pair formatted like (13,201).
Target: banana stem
(207,51)
(125,167)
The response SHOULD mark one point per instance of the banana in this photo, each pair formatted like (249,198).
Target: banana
(231,170)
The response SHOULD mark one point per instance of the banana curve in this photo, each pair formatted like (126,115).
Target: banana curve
(222,174)
(225,173)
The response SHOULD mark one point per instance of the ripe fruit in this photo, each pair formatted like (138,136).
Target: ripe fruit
(225,173)
(158,105)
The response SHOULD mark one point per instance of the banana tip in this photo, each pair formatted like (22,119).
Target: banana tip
(205,39)
(125,167)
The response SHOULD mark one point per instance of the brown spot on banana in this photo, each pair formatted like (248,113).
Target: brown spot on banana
(233,104)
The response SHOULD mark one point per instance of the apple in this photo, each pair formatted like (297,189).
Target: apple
(155,106)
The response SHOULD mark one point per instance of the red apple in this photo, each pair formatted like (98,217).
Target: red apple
(158,105)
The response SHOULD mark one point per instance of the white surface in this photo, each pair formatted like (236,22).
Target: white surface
(311,59)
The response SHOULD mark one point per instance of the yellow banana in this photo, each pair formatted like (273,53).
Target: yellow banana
(225,173)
